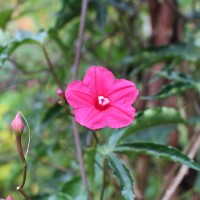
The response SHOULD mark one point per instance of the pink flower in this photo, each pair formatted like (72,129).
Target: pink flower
(17,124)
(100,100)
(8,198)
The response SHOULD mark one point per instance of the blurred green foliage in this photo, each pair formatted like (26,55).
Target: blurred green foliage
(116,36)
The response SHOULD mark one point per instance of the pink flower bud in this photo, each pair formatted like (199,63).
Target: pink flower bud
(17,124)
(9,198)
(60,93)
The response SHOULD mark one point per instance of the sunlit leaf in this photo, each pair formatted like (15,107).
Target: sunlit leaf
(7,48)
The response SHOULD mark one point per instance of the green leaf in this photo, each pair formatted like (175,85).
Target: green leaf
(152,134)
(149,118)
(89,159)
(174,52)
(7,48)
(5,16)
(74,188)
(123,175)
(159,151)
(53,111)
(175,76)
(69,10)
(171,90)
(60,196)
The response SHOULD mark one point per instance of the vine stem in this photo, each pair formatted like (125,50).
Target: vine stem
(74,77)
(80,39)
(104,178)
(23,159)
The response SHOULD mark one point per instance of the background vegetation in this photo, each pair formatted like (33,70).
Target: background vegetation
(155,44)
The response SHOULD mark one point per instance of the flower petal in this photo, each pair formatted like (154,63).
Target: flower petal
(98,79)
(90,117)
(118,117)
(77,95)
(122,92)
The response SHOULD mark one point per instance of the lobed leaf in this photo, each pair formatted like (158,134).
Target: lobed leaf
(158,151)
(123,175)
(176,76)
(171,90)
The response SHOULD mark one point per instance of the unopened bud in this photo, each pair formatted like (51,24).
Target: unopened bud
(9,198)
(17,124)
(60,93)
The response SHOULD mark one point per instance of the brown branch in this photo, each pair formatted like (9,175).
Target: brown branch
(74,77)
(183,170)
(80,39)
(173,7)
(51,67)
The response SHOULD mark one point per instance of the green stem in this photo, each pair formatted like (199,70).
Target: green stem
(23,159)
(95,137)
(104,177)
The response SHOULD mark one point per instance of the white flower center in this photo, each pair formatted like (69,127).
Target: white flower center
(103,101)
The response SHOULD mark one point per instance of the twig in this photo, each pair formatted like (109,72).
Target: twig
(172,171)
(79,154)
(51,164)
(182,171)
(80,39)
(74,76)
(24,71)
(51,68)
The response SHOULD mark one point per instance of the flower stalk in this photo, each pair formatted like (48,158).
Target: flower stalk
(17,126)
(24,165)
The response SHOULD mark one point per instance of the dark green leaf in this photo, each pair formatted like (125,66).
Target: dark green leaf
(52,112)
(159,151)
(149,118)
(152,134)
(176,52)
(123,175)
(176,76)
(171,90)
(70,9)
